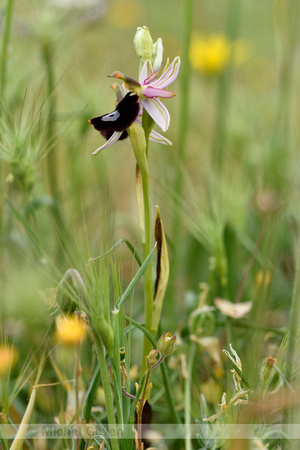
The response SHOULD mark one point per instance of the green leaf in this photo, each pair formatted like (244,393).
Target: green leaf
(129,245)
(162,271)
(89,400)
(143,329)
(3,440)
(90,395)
(239,372)
(135,279)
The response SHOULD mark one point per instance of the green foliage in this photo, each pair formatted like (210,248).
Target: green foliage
(228,195)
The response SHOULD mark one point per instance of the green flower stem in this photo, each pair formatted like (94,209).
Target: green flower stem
(188,394)
(148,282)
(170,396)
(143,400)
(51,156)
(184,107)
(140,411)
(294,326)
(183,128)
(219,142)
(5,41)
(140,143)
(7,26)
(107,390)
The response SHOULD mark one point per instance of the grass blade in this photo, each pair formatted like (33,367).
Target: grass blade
(135,279)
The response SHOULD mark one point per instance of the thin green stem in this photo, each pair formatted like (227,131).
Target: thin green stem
(140,410)
(183,128)
(247,270)
(164,371)
(294,325)
(184,107)
(51,156)
(107,390)
(170,397)
(140,144)
(142,400)
(148,282)
(188,394)
(219,141)
(6,35)
(5,42)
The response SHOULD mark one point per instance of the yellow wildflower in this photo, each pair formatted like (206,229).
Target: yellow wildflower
(70,330)
(263,278)
(8,357)
(211,55)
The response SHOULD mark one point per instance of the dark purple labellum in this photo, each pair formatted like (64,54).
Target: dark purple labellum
(120,119)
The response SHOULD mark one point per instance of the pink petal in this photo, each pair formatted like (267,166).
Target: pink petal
(169,75)
(112,140)
(157,111)
(145,72)
(150,78)
(151,92)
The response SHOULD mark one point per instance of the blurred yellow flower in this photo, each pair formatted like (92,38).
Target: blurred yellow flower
(70,330)
(211,55)
(8,357)
(263,278)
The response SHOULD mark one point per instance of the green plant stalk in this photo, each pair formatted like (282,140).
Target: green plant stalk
(183,127)
(164,370)
(51,156)
(3,440)
(148,282)
(188,395)
(184,107)
(5,41)
(169,395)
(107,391)
(290,31)
(116,366)
(51,159)
(147,123)
(218,144)
(294,326)
(140,412)
(6,35)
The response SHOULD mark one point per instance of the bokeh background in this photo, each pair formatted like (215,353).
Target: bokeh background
(232,219)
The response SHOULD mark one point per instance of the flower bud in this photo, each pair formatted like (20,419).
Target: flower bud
(69,291)
(157,56)
(166,344)
(151,358)
(138,142)
(143,43)
(267,369)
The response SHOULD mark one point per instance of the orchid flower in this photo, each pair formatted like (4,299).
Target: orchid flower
(113,126)
(150,87)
